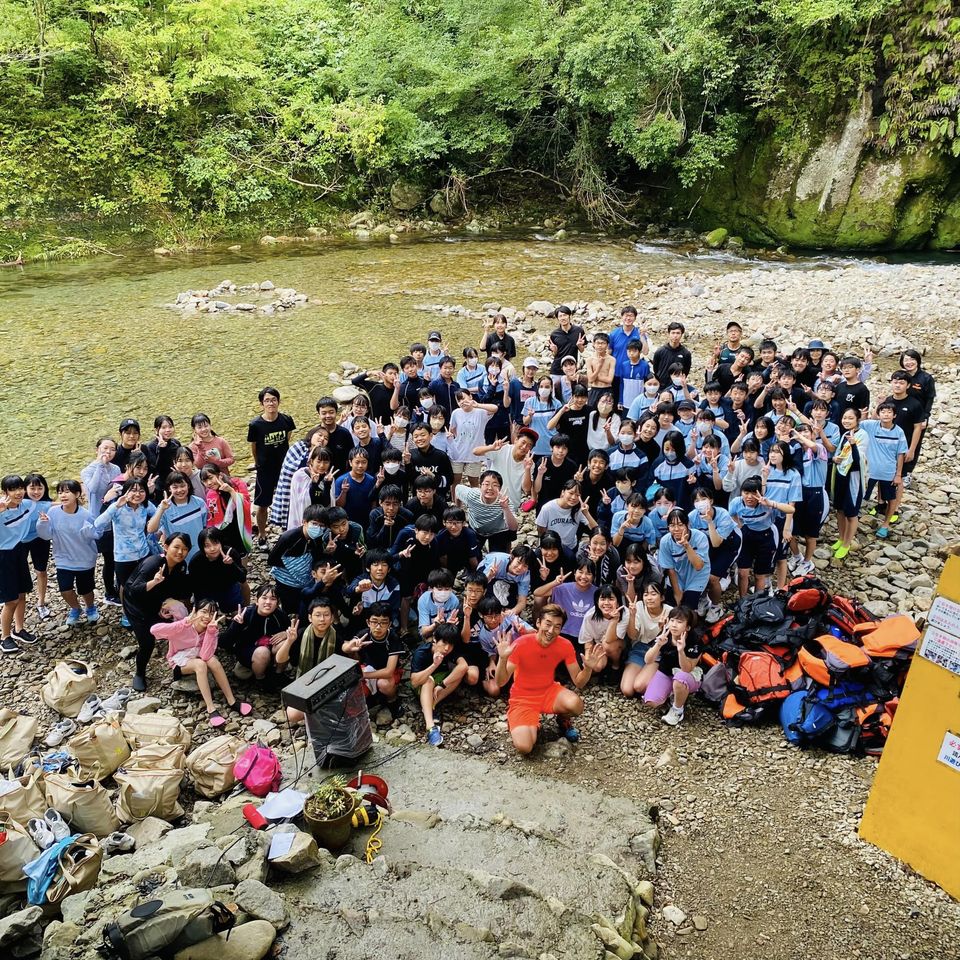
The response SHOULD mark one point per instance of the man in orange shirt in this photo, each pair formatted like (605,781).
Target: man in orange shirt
(531,660)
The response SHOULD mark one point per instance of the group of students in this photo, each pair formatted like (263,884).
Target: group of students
(650,491)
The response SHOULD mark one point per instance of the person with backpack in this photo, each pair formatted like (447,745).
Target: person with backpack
(676,652)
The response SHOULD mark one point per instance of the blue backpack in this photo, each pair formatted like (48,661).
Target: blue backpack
(808,716)
(804,718)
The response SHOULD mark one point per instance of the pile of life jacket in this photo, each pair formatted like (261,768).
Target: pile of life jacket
(823,665)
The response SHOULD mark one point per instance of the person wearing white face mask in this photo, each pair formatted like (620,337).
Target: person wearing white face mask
(438,603)
(725,542)
(626,453)
(537,413)
(603,425)
(292,558)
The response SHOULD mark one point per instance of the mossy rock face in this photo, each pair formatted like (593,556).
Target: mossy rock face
(839,193)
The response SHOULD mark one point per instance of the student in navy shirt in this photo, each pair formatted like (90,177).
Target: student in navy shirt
(673,468)
(354,489)
(632,372)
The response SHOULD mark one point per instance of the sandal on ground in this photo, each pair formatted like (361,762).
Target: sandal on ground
(241,707)
(216,719)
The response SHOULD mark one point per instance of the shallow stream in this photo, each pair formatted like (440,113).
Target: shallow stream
(83,345)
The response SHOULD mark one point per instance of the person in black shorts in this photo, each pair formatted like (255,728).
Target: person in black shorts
(269,439)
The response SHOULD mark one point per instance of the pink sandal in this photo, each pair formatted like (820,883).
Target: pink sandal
(216,719)
(241,707)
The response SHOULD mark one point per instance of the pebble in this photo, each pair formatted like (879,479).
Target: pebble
(673,914)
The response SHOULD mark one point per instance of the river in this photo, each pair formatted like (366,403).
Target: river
(85,344)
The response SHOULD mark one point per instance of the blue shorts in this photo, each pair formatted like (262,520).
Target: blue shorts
(637,652)
(757,550)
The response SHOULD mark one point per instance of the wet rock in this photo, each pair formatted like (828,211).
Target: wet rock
(161,251)
(364,217)
(267,240)
(716,238)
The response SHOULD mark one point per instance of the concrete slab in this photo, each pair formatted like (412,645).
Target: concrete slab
(480,861)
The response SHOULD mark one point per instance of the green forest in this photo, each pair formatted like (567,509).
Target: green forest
(200,114)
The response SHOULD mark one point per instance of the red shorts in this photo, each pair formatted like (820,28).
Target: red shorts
(526,711)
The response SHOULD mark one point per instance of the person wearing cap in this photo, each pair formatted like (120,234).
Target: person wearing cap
(514,463)
(568,379)
(129,442)
(522,389)
(495,335)
(625,333)
(568,340)
(434,355)
(815,349)
(734,335)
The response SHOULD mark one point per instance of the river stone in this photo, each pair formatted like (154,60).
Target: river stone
(18,925)
(674,915)
(345,394)
(262,903)
(143,705)
(439,205)
(161,251)
(544,307)
(249,941)
(206,867)
(405,195)
(267,240)
(302,855)
(58,939)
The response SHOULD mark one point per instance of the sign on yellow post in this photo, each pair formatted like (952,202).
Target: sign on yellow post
(913,810)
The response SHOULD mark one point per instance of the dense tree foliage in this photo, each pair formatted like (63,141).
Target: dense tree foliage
(217,110)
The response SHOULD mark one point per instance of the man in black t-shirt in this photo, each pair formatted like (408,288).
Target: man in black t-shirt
(851,392)
(550,477)
(670,353)
(269,439)
(379,387)
(341,442)
(910,417)
(568,340)
(572,420)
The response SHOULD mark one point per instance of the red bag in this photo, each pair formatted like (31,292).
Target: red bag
(258,769)
(807,595)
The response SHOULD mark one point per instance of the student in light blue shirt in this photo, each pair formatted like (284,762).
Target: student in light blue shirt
(782,486)
(886,453)
(755,516)
(128,516)
(180,512)
(538,411)
(812,512)
(509,577)
(710,467)
(644,401)
(725,541)
(438,603)
(685,556)
(472,374)
(631,525)
(16,513)
(706,426)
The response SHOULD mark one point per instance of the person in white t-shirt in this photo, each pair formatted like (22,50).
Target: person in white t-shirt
(513,461)
(467,424)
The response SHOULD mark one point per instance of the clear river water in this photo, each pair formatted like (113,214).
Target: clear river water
(85,344)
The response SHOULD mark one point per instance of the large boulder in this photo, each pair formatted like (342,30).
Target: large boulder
(405,195)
